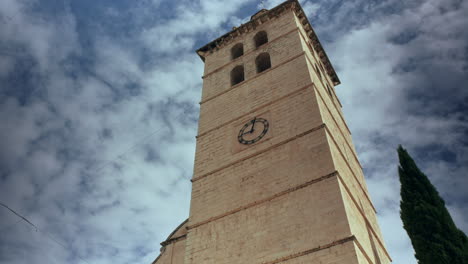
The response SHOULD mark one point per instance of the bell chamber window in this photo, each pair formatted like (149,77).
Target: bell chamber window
(237,51)
(263,62)
(237,75)
(260,38)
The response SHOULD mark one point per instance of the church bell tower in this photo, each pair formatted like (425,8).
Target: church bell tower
(276,176)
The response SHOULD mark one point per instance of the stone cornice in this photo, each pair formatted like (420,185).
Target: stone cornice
(264,16)
(172,240)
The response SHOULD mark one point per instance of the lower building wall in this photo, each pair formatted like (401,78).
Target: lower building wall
(173,253)
(343,253)
(299,221)
(165,255)
(370,246)
(178,253)
(359,192)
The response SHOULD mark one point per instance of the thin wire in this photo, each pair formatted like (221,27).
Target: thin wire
(62,245)
(120,156)
(18,215)
(43,232)
(132,148)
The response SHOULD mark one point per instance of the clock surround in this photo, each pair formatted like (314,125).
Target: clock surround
(254,135)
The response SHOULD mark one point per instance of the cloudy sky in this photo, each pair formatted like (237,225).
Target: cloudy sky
(99,108)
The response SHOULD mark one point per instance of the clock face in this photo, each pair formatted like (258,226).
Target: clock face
(253,131)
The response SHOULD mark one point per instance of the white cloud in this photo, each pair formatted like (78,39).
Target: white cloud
(310,8)
(116,212)
(268,4)
(191,18)
(376,94)
(56,145)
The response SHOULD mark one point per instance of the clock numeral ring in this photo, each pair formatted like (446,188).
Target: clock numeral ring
(252,123)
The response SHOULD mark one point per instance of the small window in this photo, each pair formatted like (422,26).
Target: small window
(237,51)
(237,75)
(260,39)
(263,62)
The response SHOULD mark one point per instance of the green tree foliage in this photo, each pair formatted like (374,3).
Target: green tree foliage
(435,238)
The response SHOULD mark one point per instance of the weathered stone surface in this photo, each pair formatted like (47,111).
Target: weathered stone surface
(298,195)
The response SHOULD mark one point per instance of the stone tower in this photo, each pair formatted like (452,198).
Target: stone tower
(276,177)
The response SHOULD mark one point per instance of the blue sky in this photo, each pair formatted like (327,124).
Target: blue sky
(99,108)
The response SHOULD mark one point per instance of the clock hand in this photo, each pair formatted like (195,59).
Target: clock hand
(253,125)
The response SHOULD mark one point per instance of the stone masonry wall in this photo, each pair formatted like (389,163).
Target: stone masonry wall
(296,196)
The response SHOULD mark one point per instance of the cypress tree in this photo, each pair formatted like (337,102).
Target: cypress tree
(435,238)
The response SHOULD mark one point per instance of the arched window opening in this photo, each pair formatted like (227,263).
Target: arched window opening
(260,39)
(237,75)
(263,62)
(237,51)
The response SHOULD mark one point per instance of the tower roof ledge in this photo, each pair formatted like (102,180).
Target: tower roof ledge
(258,18)
(259,13)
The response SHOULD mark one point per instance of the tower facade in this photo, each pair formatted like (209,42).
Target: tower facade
(276,176)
